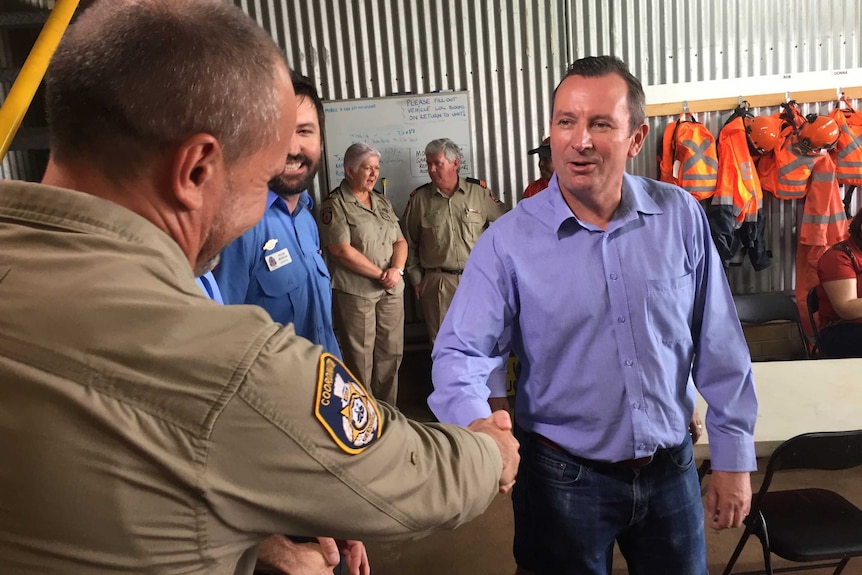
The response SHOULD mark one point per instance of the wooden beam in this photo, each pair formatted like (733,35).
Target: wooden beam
(762,100)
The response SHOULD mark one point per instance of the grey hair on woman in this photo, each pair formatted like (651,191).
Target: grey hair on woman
(358,152)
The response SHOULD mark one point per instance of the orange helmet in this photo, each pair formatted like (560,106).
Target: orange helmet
(819,132)
(764,133)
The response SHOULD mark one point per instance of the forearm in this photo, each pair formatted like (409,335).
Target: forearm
(355,261)
(455,472)
(399,254)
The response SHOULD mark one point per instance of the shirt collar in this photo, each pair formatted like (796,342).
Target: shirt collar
(462,185)
(635,200)
(305,201)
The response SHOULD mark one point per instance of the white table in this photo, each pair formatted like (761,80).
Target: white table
(798,397)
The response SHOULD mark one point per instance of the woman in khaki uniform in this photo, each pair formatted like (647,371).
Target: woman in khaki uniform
(360,231)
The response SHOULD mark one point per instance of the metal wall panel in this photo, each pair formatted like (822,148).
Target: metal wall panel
(507,54)
(676,41)
(510,54)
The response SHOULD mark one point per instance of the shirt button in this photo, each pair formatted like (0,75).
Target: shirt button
(641,446)
(621,319)
(614,277)
(636,405)
(629,362)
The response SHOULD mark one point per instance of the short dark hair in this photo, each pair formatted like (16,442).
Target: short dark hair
(130,78)
(303,87)
(599,66)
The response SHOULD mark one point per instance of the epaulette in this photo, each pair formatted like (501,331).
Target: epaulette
(477,181)
(425,185)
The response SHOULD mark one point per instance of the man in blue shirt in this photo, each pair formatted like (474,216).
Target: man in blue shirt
(613,297)
(278,263)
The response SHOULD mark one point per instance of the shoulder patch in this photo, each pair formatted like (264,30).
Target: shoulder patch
(477,181)
(344,408)
(326,215)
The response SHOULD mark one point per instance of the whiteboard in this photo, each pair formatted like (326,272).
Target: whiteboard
(399,127)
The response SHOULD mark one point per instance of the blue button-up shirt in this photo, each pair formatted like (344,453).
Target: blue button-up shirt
(613,328)
(209,286)
(298,290)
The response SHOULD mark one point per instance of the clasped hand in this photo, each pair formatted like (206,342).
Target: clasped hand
(499,427)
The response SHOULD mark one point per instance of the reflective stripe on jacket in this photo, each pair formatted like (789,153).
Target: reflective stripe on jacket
(847,153)
(689,158)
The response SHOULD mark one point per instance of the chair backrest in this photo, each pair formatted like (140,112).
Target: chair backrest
(765,307)
(825,450)
(813,301)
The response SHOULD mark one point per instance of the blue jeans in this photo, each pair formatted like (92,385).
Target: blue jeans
(569,511)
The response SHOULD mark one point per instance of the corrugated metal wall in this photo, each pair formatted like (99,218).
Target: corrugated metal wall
(510,54)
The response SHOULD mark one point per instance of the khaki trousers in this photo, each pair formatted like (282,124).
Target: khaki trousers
(435,294)
(370,332)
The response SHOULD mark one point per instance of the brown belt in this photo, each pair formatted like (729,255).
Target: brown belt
(638,463)
(444,271)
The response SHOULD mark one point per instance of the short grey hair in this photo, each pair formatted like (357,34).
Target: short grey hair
(449,148)
(358,152)
(205,67)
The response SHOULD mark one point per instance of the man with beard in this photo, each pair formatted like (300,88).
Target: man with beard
(277,264)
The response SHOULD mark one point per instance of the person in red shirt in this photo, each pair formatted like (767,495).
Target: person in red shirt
(546,169)
(840,294)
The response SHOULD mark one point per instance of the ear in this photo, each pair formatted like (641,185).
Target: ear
(638,139)
(457,163)
(197,161)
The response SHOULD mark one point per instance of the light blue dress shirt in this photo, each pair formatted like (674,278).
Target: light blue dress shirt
(209,286)
(298,290)
(613,328)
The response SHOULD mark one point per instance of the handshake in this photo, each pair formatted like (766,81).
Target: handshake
(499,427)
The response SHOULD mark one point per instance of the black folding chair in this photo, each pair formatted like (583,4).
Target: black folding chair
(766,307)
(813,301)
(807,525)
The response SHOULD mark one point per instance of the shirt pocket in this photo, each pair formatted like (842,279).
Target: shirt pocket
(282,281)
(670,308)
(472,223)
(322,268)
(434,219)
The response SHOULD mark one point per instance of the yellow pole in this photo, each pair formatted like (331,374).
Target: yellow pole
(31,74)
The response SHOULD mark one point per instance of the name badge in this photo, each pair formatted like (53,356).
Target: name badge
(278,259)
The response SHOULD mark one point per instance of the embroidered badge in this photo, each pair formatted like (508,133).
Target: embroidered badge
(344,408)
(278,259)
(326,215)
(270,244)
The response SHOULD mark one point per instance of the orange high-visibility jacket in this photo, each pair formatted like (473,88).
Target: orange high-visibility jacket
(788,177)
(688,158)
(823,219)
(824,224)
(733,212)
(847,153)
(737,185)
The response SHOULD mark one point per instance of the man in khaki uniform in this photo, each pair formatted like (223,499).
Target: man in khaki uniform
(442,221)
(360,231)
(144,428)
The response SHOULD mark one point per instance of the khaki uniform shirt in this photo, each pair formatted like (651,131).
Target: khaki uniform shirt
(372,231)
(441,231)
(147,429)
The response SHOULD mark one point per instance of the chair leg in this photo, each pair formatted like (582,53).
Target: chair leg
(764,544)
(739,547)
(841,566)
